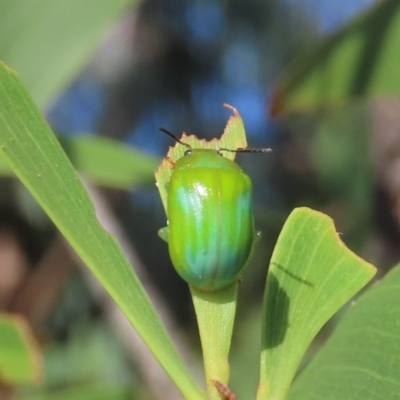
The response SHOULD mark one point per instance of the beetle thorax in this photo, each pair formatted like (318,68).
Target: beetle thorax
(205,158)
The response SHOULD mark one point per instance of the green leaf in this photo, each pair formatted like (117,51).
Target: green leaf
(48,42)
(5,169)
(215,313)
(105,162)
(362,60)
(361,360)
(20,358)
(110,163)
(87,392)
(38,160)
(311,275)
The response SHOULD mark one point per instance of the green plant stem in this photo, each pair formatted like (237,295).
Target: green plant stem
(215,313)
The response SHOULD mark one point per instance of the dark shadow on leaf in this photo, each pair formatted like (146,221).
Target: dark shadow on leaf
(292,275)
(277,303)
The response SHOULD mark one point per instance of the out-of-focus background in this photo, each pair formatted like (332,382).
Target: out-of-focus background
(120,69)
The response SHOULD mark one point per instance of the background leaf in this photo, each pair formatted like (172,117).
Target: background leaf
(360,60)
(361,360)
(57,37)
(98,392)
(36,157)
(110,163)
(105,162)
(311,275)
(20,357)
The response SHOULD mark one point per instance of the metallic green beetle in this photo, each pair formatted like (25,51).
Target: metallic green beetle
(210,231)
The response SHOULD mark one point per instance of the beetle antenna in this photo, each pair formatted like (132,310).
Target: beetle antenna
(170,134)
(240,150)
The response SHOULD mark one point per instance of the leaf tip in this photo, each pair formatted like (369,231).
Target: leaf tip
(8,69)
(235,111)
(330,225)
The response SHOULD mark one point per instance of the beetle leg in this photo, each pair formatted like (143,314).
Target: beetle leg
(164,233)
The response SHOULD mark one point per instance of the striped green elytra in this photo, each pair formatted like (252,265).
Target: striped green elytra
(210,230)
